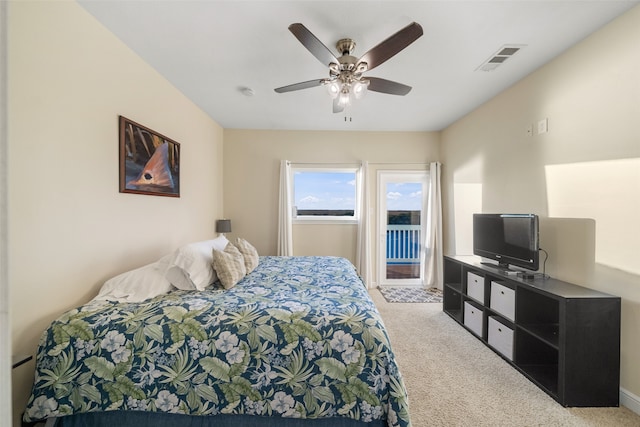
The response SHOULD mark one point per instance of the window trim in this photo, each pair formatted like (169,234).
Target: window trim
(325,219)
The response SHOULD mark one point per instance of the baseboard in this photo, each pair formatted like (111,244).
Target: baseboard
(630,400)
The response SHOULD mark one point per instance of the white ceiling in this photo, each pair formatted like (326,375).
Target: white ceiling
(210,50)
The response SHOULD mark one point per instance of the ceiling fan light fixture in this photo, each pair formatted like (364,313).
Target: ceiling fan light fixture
(345,96)
(333,87)
(360,88)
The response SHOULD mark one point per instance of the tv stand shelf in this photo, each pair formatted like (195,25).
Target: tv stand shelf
(563,337)
(546,332)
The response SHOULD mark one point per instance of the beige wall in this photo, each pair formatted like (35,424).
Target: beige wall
(582,177)
(70,228)
(5,326)
(251,175)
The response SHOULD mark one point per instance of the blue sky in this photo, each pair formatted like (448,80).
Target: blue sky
(322,190)
(404,196)
(337,190)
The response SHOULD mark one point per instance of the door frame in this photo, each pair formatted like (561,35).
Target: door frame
(389,176)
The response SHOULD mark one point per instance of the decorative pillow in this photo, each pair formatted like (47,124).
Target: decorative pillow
(190,266)
(135,285)
(249,253)
(230,265)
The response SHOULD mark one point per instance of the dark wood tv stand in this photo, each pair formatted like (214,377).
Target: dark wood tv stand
(565,338)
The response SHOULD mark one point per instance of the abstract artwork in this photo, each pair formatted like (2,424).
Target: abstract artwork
(149,161)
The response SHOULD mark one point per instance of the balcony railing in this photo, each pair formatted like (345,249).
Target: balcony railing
(403,244)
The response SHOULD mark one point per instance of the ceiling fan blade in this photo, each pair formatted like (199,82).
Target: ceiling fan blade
(337,107)
(301,85)
(312,44)
(391,46)
(387,86)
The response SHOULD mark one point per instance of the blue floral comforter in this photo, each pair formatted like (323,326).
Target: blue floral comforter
(297,337)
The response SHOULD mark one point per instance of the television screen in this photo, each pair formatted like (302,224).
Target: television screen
(510,239)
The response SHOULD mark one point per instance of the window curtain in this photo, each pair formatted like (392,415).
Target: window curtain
(285,233)
(363,248)
(433,257)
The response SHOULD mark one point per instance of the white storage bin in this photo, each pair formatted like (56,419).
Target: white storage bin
(475,287)
(500,337)
(503,300)
(473,318)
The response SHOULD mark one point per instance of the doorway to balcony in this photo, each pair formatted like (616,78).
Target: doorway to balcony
(402,197)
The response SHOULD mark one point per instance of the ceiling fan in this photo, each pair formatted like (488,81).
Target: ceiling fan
(346,73)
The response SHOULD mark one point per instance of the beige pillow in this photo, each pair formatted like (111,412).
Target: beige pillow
(229,264)
(249,253)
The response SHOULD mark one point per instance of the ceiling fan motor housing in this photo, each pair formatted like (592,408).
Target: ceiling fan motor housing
(345,46)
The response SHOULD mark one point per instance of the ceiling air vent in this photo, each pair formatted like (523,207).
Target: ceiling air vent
(504,53)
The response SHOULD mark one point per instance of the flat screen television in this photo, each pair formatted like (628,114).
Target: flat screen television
(510,239)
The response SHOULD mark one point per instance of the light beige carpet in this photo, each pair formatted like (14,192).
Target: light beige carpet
(453,379)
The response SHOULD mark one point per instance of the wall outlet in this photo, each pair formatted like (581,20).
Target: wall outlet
(530,130)
(543,126)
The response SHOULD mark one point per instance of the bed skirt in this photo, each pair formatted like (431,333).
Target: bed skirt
(158,419)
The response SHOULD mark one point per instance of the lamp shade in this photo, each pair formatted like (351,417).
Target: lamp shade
(223,226)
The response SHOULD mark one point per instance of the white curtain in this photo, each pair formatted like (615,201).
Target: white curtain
(363,248)
(285,238)
(433,262)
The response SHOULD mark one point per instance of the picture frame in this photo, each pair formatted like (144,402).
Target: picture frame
(149,161)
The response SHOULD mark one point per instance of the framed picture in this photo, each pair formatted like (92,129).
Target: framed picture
(149,161)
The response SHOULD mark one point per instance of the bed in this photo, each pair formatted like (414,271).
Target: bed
(295,342)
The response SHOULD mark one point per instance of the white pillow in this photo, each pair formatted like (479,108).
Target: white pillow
(175,274)
(135,285)
(191,266)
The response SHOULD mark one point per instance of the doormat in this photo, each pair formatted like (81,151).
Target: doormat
(410,294)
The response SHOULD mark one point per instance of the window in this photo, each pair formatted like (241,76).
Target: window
(325,194)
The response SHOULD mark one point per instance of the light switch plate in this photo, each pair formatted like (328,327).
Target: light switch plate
(543,126)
